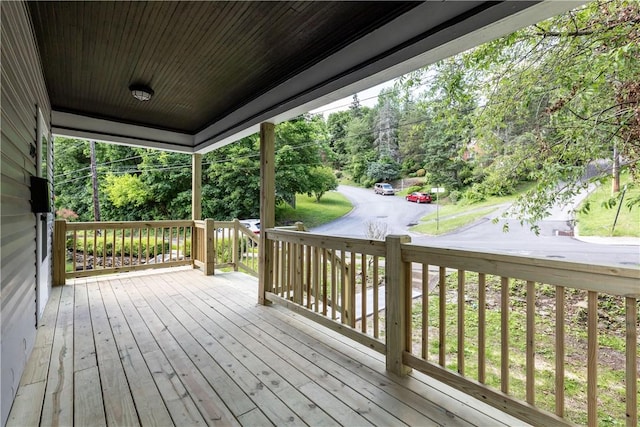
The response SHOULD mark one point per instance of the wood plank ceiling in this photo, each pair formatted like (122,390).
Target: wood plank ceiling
(219,68)
(202,59)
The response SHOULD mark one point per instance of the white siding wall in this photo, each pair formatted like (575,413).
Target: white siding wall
(23,91)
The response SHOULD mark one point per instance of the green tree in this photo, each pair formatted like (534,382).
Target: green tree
(321,180)
(565,92)
(231,181)
(359,140)
(385,169)
(337,125)
(448,106)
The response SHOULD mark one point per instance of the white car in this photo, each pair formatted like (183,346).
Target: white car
(384,189)
(252,224)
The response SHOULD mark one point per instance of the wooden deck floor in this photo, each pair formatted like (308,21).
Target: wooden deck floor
(177,348)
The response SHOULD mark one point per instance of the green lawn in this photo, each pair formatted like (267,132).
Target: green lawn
(430,225)
(332,205)
(454,216)
(598,221)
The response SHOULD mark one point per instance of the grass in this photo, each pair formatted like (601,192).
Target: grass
(598,221)
(453,216)
(433,226)
(332,205)
(611,370)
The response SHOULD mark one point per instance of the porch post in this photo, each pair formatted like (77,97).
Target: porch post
(209,247)
(398,304)
(196,186)
(267,207)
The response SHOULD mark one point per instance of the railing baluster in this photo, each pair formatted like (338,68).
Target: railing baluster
(316,278)
(631,379)
(425,311)
(352,291)
(461,306)
(139,254)
(343,287)
(84,250)
(284,270)
(308,273)
(530,350)
(324,281)
(131,246)
(592,358)
(560,350)
(95,249)
(148,231)
(376,302)
(334,285)
(178,244)
(363,308)
(299,274)
(482,329)
(122,247)
(104,248)
(276,267)
(442,321)
(75,243)
(113,249)
(504,334)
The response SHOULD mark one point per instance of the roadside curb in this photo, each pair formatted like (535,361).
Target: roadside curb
(622,241)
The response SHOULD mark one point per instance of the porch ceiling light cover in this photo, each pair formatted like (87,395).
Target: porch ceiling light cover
(141,92)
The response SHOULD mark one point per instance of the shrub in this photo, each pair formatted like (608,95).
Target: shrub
(421,172)
(139,249)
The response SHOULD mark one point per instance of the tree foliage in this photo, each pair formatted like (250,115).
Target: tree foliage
(321,179)
(553,103)
(557,97)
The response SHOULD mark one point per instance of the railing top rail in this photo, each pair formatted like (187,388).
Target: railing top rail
(127,224)
(365,246)
(609,279)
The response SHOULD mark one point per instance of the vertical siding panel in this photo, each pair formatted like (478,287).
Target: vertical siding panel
(23,91)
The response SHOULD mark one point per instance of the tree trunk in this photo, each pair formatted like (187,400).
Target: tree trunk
(615,185)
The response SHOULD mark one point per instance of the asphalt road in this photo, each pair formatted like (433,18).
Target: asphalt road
(398,215)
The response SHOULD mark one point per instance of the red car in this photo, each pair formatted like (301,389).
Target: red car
(419,197)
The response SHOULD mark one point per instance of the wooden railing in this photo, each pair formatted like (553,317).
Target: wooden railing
(520,333)
(336,280)
(93,248)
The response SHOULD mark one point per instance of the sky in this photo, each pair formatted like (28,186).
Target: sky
(368,98)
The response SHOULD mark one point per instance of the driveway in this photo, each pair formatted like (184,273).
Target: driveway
(394,212)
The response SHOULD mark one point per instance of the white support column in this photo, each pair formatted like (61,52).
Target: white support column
(267,206)
(196,186)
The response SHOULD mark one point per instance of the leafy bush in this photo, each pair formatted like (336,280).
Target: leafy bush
(455,196)
(421,172)
(383,170)
(137,250)
(474,194)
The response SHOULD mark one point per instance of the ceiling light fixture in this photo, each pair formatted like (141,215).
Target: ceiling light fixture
(141,92)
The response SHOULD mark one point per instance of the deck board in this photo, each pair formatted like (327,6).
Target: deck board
(58,399)
(175,347)
(147,398)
